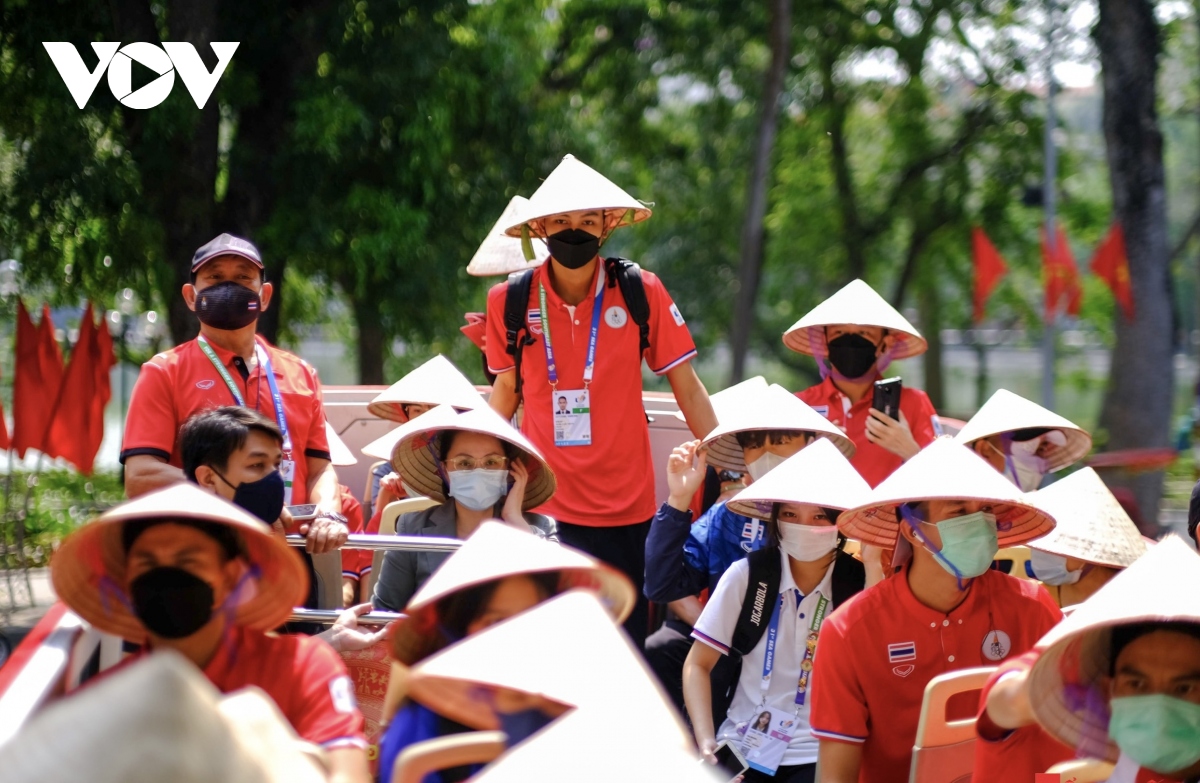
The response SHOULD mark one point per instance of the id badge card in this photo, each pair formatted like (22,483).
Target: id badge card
(287,469)
(572,413)
(764,747)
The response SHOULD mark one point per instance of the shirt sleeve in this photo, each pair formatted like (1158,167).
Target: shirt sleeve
(152,425)
(396,581)
(352,560)
(839,707)
(922,418)
(498,360)
(326,711)
(666,562)
(317,445)
(671,343)
(984,726)
(718,620)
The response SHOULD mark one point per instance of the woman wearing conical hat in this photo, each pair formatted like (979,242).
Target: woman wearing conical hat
(582,336)
(854,335)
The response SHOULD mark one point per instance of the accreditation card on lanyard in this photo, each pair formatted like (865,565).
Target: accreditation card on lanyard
(287,466)
(768,734)
(571,409)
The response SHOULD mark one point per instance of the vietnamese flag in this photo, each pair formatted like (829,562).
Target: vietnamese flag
(1061,276)
(989,268)
(77,427)
(36,380)
(1111,264)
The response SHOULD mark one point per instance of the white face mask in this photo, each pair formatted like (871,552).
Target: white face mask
(807,542)
(764,465)
(1051,569)
(478,489)
(1026,468)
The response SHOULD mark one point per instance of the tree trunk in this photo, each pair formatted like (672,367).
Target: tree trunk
(750,264)
(931,327)
(371,339)
(1138,403)
(839,155)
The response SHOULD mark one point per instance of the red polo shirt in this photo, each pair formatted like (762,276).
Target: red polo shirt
(611,481)
(879,650)
(179,383)
(874,463)
(1003,755)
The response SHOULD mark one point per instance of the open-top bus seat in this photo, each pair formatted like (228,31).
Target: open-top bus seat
(945,749)
(387,527)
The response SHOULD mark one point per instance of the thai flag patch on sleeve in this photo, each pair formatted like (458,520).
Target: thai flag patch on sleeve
(904,651)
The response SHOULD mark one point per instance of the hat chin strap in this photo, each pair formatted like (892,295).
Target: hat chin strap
(914,524)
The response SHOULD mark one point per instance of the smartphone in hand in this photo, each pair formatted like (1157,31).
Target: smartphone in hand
(887,397)
(304,512)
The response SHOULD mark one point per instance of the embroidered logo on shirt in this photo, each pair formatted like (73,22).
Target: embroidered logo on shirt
(676,315)
(615,317)
(535,321)
(996,645)
(341,691)
(205,384)
(904,651)
(903,671)
(751,533)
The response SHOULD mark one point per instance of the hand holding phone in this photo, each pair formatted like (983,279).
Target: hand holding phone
(887,397)
(303,512)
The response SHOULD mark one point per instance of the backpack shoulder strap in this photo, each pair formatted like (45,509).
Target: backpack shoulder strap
(762,591)
(516,300)
(628,276)
(849,577)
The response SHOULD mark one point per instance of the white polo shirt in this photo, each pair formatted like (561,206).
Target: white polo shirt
(715,628)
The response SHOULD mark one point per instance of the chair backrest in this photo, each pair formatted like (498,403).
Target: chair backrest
(328,569)
(1079,771)
(368,500)
(1013,561)
(387,527)
(945,749)
(418,760)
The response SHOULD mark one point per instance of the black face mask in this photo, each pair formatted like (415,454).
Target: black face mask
(573,248)
(852,355)
(228,306)
(262,498)
(171,602)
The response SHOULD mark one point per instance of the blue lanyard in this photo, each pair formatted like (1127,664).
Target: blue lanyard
(810,647)
(590,367)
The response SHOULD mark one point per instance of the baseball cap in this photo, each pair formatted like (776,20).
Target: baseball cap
(226,245)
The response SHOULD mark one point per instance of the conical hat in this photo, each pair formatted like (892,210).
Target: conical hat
(583,660)
(412,451)
(857,304)
(728,399)
(168,723)
(1007,412)
(88,570)
(818,475)
(1092,525)
(945,470)
(572,186)
(501,254)
(1162,586)
(496,550)
(338,450)
(436,382)
(772,408)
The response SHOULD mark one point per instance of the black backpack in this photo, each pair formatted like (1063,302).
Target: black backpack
(762,591)
(620,272)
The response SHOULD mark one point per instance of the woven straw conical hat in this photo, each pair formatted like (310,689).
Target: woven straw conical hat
(496,550)
(858,304)
(436,382)
(1091,524)
(413,447)
(88,570)
(500,254)
(818,475)
(340,454)
(1065,686)
(1008,412)
(945,470)
(583,661)
(574,186)
(773,408)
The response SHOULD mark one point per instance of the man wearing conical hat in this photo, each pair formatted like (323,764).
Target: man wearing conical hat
(184,570)
(947,513)
(582,339)
(854,335)
(1023,440)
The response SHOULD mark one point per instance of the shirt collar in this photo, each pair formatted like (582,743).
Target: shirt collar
(553,300)
(227,357)
(920,611)
(786,582)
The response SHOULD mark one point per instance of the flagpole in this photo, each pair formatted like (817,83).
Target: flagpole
(1050,177)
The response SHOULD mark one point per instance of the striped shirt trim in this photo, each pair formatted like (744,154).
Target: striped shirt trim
(502,370)
(345,742)
(365,571)
(349,575)
(711,642)
(833,735)
(672,365)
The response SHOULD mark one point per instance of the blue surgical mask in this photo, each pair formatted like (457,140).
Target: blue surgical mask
(1159,732)
(478,489)
(1051,569)
(969,543)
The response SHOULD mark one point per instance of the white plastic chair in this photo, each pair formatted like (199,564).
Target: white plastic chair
(945,750)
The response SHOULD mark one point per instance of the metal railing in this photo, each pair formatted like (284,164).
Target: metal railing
(392,543)
(330,616)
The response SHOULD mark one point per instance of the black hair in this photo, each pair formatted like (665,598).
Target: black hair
(756,439)
(1193,517)
(1125,635)
(1029,433)
(773,537)
(445,439)
(231,541)
(211,437)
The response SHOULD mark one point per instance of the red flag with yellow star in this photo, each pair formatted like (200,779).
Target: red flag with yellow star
(1111,264)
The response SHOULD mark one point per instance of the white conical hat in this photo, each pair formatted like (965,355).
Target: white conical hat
(728,399)
(436,382)
(572,186)
(1065,686)
(501,254)
(857,303)
(772,408)
(340,454)
(583,661)
(818,475)
(1008,412)
(1091,524)
(412,451)
(496,550)
(167,722)
(945,470)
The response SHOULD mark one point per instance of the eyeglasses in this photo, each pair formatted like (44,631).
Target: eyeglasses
(490,462)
